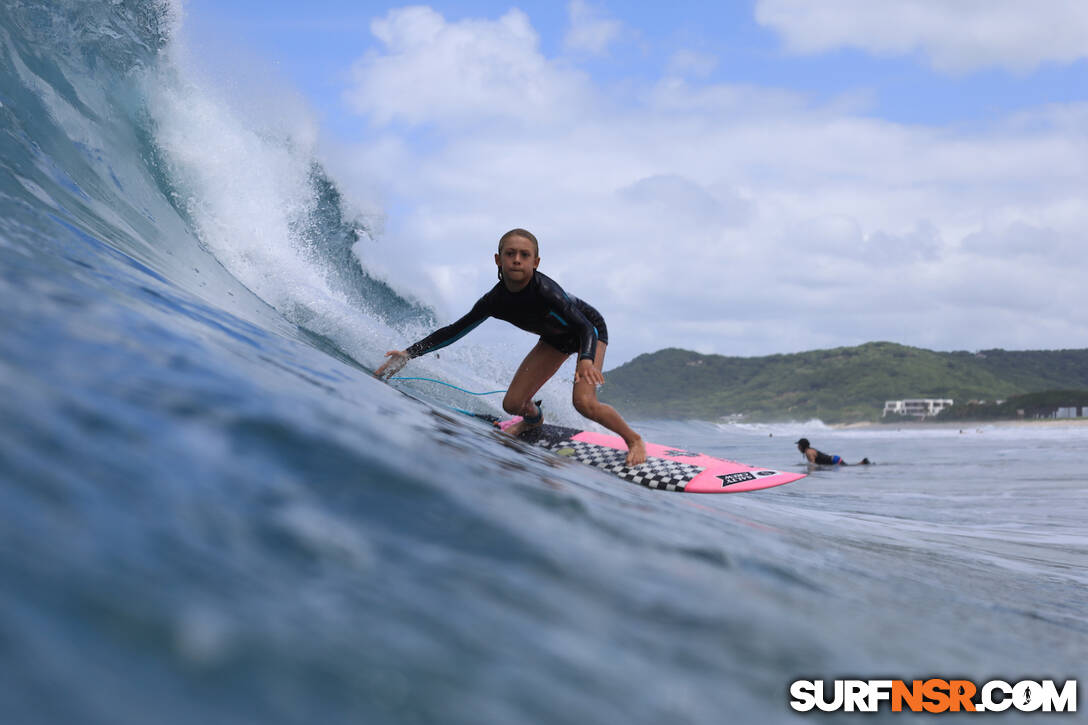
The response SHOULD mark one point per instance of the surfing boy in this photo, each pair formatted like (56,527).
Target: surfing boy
(532,301)
(820,458)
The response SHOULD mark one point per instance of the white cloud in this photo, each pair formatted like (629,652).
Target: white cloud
(1019,239)
(738,219)
(691,63)
(923,243)
(455,72)
(956,37)
(673,197)
(590,31)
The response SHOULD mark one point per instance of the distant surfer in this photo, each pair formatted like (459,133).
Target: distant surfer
(820,458)
(534,302)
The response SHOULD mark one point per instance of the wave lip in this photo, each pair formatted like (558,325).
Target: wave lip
(109,130)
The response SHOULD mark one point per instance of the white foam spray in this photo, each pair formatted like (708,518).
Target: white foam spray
(241,163)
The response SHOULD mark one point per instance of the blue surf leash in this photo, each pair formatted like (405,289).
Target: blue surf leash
(490,418)
(449,385)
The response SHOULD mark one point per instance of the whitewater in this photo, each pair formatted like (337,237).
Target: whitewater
(211,512)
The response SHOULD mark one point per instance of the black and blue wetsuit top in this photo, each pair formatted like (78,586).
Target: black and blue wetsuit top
(541,307)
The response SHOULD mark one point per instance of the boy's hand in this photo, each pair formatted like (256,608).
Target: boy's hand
(397,360)
(587,372)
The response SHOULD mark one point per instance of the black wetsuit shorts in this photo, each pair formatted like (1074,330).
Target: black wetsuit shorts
(569,342)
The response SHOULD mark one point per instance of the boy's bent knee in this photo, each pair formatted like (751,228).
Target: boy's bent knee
(588,407)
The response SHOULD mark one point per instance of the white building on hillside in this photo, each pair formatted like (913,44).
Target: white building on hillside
(1072,411)
(917,407)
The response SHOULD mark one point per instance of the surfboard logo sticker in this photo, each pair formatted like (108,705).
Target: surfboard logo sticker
(728,479)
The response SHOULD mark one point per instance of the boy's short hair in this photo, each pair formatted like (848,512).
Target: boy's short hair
(524,234)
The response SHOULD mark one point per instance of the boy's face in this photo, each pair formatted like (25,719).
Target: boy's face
(518,260)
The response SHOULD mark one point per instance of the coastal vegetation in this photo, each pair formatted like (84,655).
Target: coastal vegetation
(1030,405)
(841,385)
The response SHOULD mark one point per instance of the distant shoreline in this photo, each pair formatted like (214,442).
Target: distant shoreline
(847,384)
(964,424)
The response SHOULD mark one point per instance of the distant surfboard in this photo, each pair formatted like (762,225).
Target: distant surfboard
(666,469)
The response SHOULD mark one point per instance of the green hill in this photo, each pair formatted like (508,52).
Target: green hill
(846,384)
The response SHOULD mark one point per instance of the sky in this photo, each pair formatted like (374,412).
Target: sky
(742,178)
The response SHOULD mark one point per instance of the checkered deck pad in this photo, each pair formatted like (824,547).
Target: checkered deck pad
(658,473)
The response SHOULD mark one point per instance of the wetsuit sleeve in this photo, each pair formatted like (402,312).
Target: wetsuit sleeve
(569,314)
(453,332)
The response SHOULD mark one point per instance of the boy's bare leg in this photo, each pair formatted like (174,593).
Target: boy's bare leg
(586,403)
(542,362)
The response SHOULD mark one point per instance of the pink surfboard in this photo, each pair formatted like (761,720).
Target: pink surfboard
(666,469)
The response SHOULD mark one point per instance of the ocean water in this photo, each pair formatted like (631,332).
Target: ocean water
(210,511)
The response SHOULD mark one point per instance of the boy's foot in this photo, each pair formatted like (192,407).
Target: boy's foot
(636,453)
(520,427)
(527,422)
